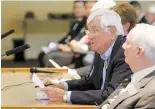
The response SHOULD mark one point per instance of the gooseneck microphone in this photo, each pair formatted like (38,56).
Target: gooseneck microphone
(36,70)
(16,50)
(7,33)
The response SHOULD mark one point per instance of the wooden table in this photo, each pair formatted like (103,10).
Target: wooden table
(23,96)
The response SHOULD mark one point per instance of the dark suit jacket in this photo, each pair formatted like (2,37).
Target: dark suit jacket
(143,96)
(87,90)
(76,32)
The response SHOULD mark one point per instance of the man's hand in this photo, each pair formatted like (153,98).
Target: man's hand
(66,48)
(50,83)
(74,44)
(54,94)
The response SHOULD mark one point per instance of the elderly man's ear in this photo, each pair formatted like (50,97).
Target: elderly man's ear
(112,32)
(139,51)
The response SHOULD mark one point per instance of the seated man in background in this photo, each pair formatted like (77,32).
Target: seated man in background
(150,14)
(140,55)
(141,17)
(78,24)
(109,68)
(65,56)
(127,14)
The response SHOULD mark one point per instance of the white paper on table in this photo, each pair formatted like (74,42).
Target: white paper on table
(70,72)
(37,81)
(40,95)
(56,65)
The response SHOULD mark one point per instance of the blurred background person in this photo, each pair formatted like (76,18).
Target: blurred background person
(150,14)
(66,56)
(56,48)
(128,16)
(141,17)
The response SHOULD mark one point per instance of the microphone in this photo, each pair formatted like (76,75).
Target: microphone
(16,50)
(7,33)
(36,70)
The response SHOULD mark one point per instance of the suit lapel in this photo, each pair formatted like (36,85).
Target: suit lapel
(116,46)
(132,91)
(97,71)
(116,92)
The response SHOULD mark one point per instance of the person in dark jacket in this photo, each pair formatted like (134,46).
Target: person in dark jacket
(109,68)
(141,17)
(74,33)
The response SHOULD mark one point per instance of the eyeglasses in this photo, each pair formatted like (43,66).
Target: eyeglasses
(94,31)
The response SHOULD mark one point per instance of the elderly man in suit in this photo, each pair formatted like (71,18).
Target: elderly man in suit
(140,55)
(109,68)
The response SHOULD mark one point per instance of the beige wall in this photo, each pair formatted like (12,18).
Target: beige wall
(13,13)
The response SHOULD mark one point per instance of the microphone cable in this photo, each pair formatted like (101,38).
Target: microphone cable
(14,85)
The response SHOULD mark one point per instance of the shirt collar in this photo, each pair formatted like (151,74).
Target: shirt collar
(136,77)
(106,55)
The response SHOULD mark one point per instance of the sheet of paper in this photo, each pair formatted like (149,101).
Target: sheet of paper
(54,63)
(41,96)
(37,81)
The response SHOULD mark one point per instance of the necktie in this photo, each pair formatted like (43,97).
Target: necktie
(104,74)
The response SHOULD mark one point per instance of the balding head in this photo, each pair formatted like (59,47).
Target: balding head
(140,47)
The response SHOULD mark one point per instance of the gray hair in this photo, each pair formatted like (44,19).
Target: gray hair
(108,18)
(143,35)
(106,4)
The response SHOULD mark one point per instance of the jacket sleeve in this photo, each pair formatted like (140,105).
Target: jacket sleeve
(82,84)
(86,97)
